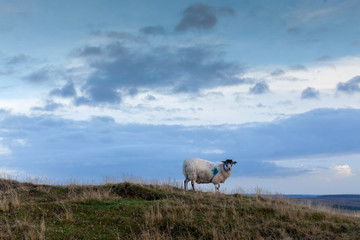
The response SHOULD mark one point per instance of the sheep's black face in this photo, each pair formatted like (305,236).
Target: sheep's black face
(228,164)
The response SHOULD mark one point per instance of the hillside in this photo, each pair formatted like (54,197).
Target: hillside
(140,211)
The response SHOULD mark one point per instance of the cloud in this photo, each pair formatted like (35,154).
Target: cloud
(318,13)
(325,58)
(259,88)
(116,35)
(150,98)
(277,72)
(81,101)
(214,95)
(132,91)
(125,36)
(19,142)
(43,74)
(49,106)
(102,92)
(305,14)
(343,170)
(355,44)
(4,150)
(68,90)
(350,86)
(101,147)
(96,33)
(172,69)
(298,67)
(201,17)
(11,173)
(18,59)
(212,151)
(152,30)
(294,30)
(88,51)
(310,93)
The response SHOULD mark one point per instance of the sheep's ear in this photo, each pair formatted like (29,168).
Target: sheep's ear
(234,163)
(223,162)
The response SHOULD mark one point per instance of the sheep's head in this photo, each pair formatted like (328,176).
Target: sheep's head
(228,164)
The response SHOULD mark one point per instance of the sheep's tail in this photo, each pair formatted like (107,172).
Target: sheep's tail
(185,168)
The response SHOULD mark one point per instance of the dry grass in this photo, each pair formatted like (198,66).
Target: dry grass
(241,218)
(161,211)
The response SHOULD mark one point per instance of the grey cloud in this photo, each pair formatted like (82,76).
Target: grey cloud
(96,33)
(150,98)
(294,30)
(102,92)
(125,36)
(50,106)
(355,44)
(259,88)
(351,86)
(119,36)
(298,67)
(133,91)
(68,90)
(79,101)
(325,58)
(88,51)
(42,75)
(152,30)
(66,148)
(177,69)
(103,119)
(201,17)
(310,93)
(18,59)
(277,72)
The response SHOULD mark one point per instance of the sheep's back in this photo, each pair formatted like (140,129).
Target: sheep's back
(198,169)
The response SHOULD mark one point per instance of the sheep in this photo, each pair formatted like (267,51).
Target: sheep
(202,171)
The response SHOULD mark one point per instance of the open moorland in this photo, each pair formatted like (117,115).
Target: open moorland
(344,201)
(159,211)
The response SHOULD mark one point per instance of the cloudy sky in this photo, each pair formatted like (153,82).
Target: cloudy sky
(95,89)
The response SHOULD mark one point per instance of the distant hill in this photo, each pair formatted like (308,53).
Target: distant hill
(140,211)
(338,201)
(347,202)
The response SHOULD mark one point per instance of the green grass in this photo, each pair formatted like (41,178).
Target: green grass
(140,211)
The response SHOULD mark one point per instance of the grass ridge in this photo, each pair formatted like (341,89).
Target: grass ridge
(159,211)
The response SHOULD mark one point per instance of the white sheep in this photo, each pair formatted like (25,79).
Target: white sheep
(202,171)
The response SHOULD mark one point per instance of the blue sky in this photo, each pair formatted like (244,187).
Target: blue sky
(90,89)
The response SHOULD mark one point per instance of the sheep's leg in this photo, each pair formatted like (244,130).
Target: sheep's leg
(217,187)
(193,184)
(186,183)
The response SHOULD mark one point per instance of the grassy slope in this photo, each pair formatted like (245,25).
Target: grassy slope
(134,211)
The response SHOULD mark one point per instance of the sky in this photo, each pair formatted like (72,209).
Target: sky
(95,89)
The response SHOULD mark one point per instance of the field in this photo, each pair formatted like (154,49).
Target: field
(347,202)
(159,211)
